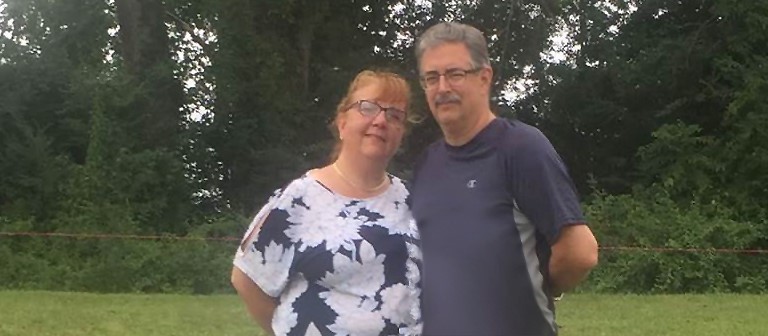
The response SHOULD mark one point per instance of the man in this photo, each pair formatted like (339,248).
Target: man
(502,231)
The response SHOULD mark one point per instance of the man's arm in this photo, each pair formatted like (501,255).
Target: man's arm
(260,305)
(574,254)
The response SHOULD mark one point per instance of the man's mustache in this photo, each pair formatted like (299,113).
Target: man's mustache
(448,97)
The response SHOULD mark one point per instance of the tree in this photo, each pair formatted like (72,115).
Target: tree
(640,65)
(145,51)
(279,70)
(45,49)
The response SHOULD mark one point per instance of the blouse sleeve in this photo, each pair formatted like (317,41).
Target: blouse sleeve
(264,254)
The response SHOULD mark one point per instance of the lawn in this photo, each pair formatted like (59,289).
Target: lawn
(663,315)
(52,313)
(55,313)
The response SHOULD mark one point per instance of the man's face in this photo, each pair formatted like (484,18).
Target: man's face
(455,91)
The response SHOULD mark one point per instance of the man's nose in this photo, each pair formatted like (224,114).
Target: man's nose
(442,84)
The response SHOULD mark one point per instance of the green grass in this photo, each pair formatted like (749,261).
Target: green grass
(663,315)
(53,313)
(56,313)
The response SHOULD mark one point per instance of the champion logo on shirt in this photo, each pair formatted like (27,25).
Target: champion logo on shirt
(471,184)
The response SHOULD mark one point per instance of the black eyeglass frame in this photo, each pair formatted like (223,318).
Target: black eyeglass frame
(454,76)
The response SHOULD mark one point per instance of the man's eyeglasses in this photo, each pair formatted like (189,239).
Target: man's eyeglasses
(431,80)
(371,109)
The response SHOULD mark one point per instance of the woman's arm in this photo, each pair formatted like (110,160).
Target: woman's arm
(260,305)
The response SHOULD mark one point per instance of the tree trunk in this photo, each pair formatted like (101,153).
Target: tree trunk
(144,47)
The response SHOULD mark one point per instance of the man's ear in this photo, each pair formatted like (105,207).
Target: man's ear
(486,75)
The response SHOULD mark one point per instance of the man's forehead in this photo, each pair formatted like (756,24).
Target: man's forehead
(445,56)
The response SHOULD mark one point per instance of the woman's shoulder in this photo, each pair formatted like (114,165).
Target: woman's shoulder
(300,183)
(296,188)
(400,187)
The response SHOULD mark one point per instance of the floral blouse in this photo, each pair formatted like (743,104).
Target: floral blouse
(338,265)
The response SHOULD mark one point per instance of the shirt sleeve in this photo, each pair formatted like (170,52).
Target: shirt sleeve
(542,188)
(265,255)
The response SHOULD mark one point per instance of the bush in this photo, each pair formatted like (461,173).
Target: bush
(649,219)
(116,265)
(171,266)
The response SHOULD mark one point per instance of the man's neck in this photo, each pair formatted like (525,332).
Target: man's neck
(462,134)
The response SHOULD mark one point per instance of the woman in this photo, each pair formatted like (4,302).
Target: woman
(334,251)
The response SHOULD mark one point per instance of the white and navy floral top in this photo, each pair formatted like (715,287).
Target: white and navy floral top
(338,265)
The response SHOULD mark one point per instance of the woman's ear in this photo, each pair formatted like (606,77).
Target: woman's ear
(341,123)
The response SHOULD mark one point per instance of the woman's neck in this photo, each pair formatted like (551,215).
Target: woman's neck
(366,175)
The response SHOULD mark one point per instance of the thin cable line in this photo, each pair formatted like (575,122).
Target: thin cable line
(185,238)
(115,236)
(683,249)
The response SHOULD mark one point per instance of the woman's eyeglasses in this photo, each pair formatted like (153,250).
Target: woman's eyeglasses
(371,109)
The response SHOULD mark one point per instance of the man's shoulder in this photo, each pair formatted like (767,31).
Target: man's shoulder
(521,132)
(521,138)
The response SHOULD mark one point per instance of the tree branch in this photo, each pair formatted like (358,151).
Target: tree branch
(191,30)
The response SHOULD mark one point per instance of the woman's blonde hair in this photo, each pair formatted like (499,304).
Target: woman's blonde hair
(392,87)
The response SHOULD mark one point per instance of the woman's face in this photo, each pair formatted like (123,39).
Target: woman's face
(372,125)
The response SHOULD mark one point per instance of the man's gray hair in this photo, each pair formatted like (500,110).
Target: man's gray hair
(452,32)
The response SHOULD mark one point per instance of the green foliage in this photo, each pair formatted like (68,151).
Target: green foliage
(172,266)
(650,219)
(664,63)
(278,78)
(228,224)
(113,265)
(684,161)
(745,183)
(726,168)
(31,185)
(40,137)
(658,99)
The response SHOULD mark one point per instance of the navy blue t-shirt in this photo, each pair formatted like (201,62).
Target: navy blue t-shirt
(487,213)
